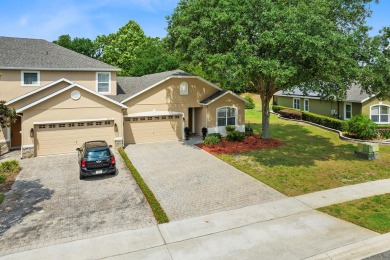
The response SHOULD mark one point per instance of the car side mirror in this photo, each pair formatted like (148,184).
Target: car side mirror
(78,149)
(110,146)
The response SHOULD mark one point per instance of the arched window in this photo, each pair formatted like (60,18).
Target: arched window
(226,116)
(380,114)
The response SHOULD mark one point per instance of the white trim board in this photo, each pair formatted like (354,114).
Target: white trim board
(227,92)
(73,121)
(154,113)
(20,110)
(38,90)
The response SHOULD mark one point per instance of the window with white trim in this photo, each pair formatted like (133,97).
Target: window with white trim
(306,105)
(184,89)
(30,78)
(380,114)
(347,110)
(103,80)
(296,102)
(226,116)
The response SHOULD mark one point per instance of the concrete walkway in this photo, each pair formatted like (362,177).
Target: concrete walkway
(284,229)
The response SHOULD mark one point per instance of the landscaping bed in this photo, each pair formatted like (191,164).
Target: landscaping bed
(250,143)
(8,172)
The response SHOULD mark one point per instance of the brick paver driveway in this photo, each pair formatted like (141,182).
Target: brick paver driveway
(48,204)
(190,182)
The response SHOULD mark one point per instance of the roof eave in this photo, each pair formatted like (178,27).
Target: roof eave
(61,69)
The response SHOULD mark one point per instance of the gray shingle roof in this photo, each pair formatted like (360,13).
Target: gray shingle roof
(212,97)
(22,53)
(129,86)
(354,94)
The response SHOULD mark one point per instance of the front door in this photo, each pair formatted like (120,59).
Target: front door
(16,137)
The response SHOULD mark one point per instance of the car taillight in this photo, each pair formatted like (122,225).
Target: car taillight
(112,160)
(83,163)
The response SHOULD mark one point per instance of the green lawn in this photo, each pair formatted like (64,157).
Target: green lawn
(312,159)
(372,213)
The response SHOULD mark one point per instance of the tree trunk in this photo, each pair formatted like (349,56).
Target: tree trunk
(265,114)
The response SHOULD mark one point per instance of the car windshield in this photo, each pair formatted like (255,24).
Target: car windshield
(99,153)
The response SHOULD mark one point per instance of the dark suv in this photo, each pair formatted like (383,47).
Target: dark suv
(95,158)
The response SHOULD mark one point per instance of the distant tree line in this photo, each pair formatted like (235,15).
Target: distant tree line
(128,49)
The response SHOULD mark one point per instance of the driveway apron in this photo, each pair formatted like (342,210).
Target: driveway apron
(190,182)
(48,204)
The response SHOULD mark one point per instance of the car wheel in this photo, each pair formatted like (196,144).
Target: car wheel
(81,177)
(114,173)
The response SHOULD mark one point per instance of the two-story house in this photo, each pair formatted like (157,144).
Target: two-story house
(63,98)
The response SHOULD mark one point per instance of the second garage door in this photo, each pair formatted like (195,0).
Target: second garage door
(153,129)
(66,137)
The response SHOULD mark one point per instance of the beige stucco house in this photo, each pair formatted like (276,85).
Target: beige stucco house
(63,99)
(356,102)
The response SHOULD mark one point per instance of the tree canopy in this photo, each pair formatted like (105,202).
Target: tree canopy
(81,45)
(273,45)
(7,115)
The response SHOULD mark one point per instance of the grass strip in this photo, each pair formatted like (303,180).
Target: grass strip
(2,196)
(372,213)
(158,211)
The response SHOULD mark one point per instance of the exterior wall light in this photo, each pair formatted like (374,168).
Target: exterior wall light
(115,127)
(31,132)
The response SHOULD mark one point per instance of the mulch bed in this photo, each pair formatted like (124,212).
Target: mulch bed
(250,143)
(6,186)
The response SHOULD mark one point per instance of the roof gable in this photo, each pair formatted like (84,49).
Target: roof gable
(218,95)
(37,54)
(38,90)
(74,85)
(132,87)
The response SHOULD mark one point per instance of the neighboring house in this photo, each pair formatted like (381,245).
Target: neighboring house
(63,99)
(356,102)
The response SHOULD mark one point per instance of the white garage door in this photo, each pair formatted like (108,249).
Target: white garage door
(66,137)
(153,129)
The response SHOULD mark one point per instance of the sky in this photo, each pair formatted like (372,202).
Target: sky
(48,19)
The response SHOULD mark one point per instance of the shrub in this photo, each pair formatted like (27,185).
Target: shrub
(329,122)
(383,133)
(230,128)
(211,140)
(216,134)
(2,178)
(362,127)
(250,104)
(235,136)
(276,109)
(290,113)
(9,166)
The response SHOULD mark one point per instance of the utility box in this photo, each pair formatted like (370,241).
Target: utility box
(368,151)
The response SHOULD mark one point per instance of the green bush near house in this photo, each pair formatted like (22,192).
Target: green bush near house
(250,103)
(235,136)
(211,140)
(230,128)
(290,113)
(2,196)
(9,166)
(329,122)
(276,109)
(216,134)
(362,127)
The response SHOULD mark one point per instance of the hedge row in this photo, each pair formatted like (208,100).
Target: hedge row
(329,122)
